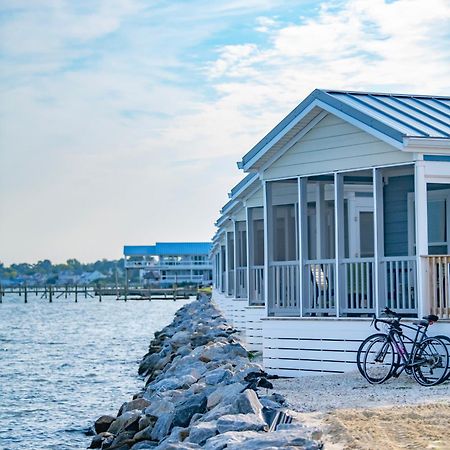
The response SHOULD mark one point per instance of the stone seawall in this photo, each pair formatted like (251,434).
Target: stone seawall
(202,390)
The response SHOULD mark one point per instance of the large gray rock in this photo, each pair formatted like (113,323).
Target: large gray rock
(225,394)
(124,421)
(184,411)
(103,423)
(138,403)
(241,422)
(162,426)
(202,431)
(216,376)
(248,403)
(276,440)
(159,406)
(177,446)
(222,441)
(144,445)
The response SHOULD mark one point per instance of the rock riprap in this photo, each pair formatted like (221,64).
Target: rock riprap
(202,391)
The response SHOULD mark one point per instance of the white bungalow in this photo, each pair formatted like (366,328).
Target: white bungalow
(355,194)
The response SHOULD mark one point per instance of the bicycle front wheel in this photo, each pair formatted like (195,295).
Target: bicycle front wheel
(362,350)
(430,362)
(446,340)
(379,360)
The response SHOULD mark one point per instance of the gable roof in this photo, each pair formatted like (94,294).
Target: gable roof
(168,249)
(395,118)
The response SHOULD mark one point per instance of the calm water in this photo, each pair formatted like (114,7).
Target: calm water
(64,364)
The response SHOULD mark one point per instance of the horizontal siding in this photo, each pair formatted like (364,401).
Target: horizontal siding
(332,145)
(253,328)
(256,199)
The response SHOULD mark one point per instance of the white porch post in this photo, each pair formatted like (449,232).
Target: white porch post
(227,263)
(420,194)
(249,248)
(339,238)
(302,238)
(378,207)
(267,235)
(235,258)
(320,220)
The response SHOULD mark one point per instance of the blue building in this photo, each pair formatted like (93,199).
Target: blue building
(167,263)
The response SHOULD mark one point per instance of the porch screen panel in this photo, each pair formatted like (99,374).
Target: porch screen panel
(284,286)
(398,277)
(241,259)
(230,260)
(319,266)
(223,268)
(357,294)
(256,256)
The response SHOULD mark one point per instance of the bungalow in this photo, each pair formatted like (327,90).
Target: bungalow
(346,210)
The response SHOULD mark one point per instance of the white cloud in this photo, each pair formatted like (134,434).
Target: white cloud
(113,114)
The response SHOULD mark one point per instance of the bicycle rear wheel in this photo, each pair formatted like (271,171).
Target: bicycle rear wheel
(430,362)
(379,360)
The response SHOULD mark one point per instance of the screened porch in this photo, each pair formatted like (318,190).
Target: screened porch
(344,244)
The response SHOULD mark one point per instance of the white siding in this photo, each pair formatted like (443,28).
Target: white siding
(331,145)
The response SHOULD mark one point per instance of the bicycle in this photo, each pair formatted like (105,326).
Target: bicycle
(385,355)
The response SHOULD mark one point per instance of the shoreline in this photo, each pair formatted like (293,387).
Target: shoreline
(202,390)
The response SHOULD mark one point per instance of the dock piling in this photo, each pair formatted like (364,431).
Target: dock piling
(50,294)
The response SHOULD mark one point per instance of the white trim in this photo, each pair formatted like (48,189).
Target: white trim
(278,136)
(302,236)
(377,177)
(426,145)
(339,227)
(420,190)
(292,177)
(266,248)
(279,153)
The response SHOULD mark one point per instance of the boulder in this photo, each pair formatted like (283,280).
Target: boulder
(202,431)
(216,376)
(225,394)
(162,426)
(158,407)
(97,441)
(196,403)
(222,441)
(124,421)
(103,423)
(248,403)
(241,422)
(138,403)
(144,445)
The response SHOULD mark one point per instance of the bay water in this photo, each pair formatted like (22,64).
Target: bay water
(63,364)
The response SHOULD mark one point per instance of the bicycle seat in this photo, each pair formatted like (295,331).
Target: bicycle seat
(431,318)
(422,323)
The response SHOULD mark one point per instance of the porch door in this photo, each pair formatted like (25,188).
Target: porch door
(361,226)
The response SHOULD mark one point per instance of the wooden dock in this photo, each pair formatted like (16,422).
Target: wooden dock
(124,293)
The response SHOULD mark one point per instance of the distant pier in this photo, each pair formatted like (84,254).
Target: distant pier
(125,293)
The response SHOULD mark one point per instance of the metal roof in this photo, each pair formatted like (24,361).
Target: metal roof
(168,249)
(396,116)
(243,183)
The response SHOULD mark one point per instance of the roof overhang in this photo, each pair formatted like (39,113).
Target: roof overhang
(304,117)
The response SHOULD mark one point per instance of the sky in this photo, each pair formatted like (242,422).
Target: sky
(121,121)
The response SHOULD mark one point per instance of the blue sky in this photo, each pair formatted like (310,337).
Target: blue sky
(121,121)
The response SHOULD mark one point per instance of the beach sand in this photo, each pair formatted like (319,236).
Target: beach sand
(353,414)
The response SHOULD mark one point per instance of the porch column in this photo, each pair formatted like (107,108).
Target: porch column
(249,248)
(320,222)
(302,238)
(378,218)
(268,235)
(339,238)
(235,257)
(421,219)
(227,263)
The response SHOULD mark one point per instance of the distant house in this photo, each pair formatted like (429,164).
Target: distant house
(346,210)
(169,263)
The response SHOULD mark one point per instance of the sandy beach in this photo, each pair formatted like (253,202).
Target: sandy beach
(353,414)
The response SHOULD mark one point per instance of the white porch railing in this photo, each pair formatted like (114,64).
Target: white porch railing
(358,288)
(320,282)
(284,288)
(230,290)
(256,291)
(241,282)
(438,285)
(400,281)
